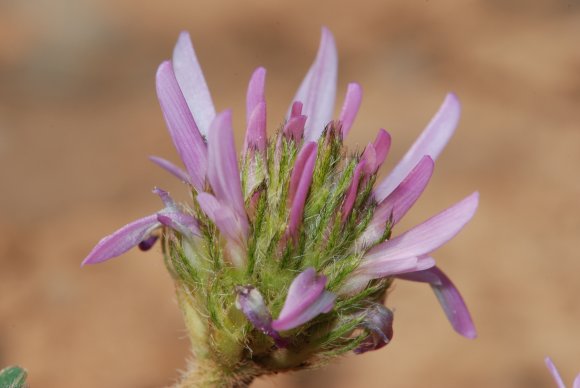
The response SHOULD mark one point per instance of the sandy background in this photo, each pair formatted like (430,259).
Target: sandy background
(79,116)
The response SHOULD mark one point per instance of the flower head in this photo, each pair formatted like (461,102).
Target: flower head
(283,257)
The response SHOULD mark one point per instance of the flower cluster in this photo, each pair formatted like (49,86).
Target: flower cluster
(284,256)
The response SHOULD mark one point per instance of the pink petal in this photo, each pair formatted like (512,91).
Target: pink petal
(255,94)
(122,240)
(429,235)
(382,146)
(352,190)
(300,185)
(171,168)
(576,382)
(378,269)
(350,107)
(318,89)
(378,322)
(223,172)
(223,217)
(306,299)
(256,137)
(555,374)
(250,301)
(296,109)
(294,128)
(184,133)
(398,203)
(297,172)
(431,142)
(181,222)
(370,157)
(192,83)
(256,111)
(449,298)
(383,267)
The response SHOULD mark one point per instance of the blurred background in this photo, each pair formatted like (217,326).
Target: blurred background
(79,116)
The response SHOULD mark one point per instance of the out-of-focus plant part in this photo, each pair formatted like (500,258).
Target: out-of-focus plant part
(556,375)
(13,377)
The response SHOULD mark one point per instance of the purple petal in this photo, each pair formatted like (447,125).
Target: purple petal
(223,172)
(184,133)
(173,217)
(304,155)
(379,268)
(398,203)
(554,371)
(255,94)
(306,299)
(449,298)
(165,197)
(379,324)
(251,303)
(234,230)
(300,185)
(382,146)
(429,235)
(350,107)
(382,268)
(183,223)
(171,168)
(576,382)
(192,83)
(222,216)
(370,158)
(256,137)
(352,190)
(318,89)
(406,194)
(148,243)
(431,142)
(122,240)
(294,128)
(296,109)
(256,111)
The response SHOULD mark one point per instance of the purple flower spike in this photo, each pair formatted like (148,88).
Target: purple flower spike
(449,298)
(556,375)
(398,203)
(350,108)
(171,168)
(122,240)
(182,128)
(379,324)
(299,185)
(431,142)
(256,112)
(318,89)
(306,299)
(192,83)
(251,303)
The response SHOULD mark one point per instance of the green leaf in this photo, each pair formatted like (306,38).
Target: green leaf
(13,377)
